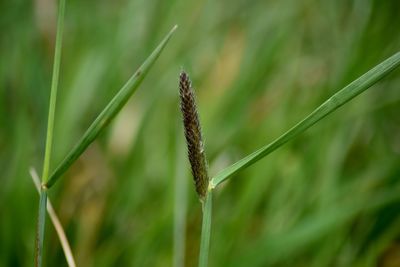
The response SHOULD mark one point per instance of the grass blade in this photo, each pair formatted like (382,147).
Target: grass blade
(109,112)
(340,98)
(49,135)
(56,223)
(205,230)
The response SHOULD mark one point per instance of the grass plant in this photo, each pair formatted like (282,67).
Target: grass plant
(328,197)
(196,150)
(99,124)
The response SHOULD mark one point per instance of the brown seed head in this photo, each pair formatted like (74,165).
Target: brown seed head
(193,136)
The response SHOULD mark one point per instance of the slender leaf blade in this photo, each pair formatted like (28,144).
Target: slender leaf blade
(109,112)
(337,100)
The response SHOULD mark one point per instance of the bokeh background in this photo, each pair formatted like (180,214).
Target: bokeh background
(329,198)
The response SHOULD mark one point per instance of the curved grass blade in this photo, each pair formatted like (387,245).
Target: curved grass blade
(205,230)
(340,98)
(56,222)
(109,112)
(49,135)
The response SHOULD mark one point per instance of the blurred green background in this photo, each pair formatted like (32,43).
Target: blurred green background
(329,198)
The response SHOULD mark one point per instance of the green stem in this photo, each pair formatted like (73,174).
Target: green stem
(49,136)
(205,230)
(40,227)
(53,92)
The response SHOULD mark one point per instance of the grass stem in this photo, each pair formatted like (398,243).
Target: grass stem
(40,227)
(205,230)
(53,92)
(49,135)
(56,222)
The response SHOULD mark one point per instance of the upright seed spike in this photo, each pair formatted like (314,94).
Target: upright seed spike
(193,135)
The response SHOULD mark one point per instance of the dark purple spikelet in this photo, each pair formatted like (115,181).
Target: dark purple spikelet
(193,136)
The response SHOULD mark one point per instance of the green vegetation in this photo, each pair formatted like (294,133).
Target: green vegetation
(328,197)
(49,137)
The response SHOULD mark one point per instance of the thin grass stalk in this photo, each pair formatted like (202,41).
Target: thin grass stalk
(337,100)
(49,135)
(109,112)
(40,228)
(53,92)
(205,230)
(56,222)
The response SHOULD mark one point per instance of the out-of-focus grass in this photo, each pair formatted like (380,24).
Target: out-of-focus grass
(330,200)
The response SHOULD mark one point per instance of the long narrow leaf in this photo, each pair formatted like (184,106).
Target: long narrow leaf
(340,98)
(109,112)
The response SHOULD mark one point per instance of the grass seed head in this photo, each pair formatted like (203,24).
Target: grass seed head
(193,135)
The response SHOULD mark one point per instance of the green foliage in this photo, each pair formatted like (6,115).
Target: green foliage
(337,100)
(108,113)
(327,198)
